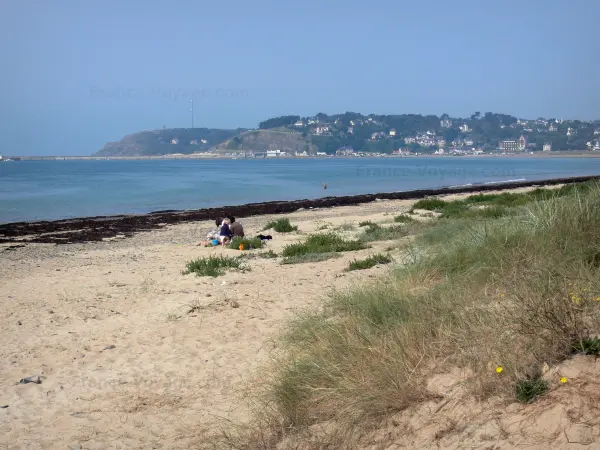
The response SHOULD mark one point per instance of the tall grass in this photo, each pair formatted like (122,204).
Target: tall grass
(514,291)
(282,225)
(495,205)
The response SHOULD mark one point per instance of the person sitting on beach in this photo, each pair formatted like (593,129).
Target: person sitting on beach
(214,233)
(225,235)
(237,229)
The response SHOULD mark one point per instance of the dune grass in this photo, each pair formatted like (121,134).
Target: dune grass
(374,232)
(323,244)
(494,205)
(369,262)
(510,292)
(213,266)
(366,223)
(282,225)
(403,218)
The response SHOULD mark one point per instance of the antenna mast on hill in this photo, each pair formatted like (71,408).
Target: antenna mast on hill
(192,109)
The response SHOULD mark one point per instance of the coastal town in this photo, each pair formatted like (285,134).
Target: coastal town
(356,135)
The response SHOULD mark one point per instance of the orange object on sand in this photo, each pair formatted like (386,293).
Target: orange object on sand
(241,246)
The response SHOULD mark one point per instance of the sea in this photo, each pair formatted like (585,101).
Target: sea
(51,190)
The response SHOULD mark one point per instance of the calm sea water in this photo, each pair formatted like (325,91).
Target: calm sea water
(47,190)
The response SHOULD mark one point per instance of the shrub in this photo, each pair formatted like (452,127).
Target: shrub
(249,243)
(322,243)
(213,266)
(369,262)
(281,226)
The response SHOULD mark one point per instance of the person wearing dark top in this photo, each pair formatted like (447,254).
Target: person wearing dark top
(236,228)
(225,234)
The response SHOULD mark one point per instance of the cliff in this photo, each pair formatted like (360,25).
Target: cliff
(261,140)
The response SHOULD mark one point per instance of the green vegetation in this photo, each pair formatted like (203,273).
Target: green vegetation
(588,346)
(309,258)
(346,226)
(403,218)
(498,297)
(213,266)
(277,122)
(270,254)
(492,206)
(328,243)
(530,389)
(248,243)
(369,262)
(371,133)
(374,232)
(281,226)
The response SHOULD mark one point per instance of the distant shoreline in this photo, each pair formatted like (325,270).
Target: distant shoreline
(203,156)
(93,229)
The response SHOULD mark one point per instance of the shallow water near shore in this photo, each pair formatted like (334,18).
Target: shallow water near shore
(50,190)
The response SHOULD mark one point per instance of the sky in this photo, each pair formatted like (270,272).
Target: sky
(77,74)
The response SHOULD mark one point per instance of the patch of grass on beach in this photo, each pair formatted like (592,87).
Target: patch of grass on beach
(530,389)
(369,262)
(309,258)
(322,243)
(270,254)
(213,266)
(249,243)
(366,223)
(375,232)
(403,218)
(430,204)
(346,226)
(282,225)
(511,292)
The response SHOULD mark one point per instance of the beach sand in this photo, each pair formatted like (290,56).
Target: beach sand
(134,354)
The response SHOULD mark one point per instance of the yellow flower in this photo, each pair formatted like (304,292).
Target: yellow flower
(501,295)
(563,380)
(598,299)
(499,369)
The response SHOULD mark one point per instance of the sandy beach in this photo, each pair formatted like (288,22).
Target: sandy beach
(134,354)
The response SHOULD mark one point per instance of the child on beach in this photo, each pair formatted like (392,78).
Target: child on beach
(225,235)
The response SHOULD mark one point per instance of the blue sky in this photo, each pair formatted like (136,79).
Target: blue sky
(77,74)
